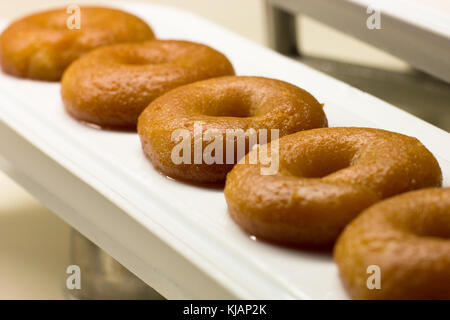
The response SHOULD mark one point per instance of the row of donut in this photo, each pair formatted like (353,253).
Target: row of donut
(326,176)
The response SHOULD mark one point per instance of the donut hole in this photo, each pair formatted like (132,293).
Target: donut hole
(141,57)
(136,61)
(236,105)
(320,161)
(317,169)
(426,222)
(142,60)
(438,231)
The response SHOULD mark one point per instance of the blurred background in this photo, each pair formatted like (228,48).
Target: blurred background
(34,242)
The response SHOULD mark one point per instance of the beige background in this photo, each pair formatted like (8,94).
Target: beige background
(34,241)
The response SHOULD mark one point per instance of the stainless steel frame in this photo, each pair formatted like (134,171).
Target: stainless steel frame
(416,92)
(102,277)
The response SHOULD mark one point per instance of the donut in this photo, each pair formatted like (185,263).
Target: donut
(112,85)
(232,110)
(41,46)
(405,242)
(326,177)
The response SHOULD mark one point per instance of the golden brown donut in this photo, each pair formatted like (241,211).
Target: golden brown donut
(407,238)
(326,177)
(112,85)
(41,46)
(226,103)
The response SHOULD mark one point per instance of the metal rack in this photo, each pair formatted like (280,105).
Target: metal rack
(416,35)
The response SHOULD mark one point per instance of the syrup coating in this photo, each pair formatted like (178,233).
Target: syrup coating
(41,46)
(221,104)
(408,238)
(326,177)
(112,85)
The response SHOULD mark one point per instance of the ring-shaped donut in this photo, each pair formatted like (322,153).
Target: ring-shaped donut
(399,248)
(326,177)
(231,107)
(112,85)
(41,46)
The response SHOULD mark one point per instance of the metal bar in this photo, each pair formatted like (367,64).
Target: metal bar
(281,30)
(423,49)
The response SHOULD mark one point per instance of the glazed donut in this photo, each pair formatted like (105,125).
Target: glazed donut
(112,85)
(408,238)
(326,177)
(41,46)
(227,104)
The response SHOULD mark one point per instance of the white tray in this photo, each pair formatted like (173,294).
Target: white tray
(177,237)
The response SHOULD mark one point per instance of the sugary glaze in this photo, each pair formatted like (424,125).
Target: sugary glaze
(41,46)
(112,85)
(326,177)
(226,103)
(408,238)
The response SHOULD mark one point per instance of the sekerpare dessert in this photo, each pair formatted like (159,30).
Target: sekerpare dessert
(111,86)
(212,119)
(399,248)
(41,46)
(326,177)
